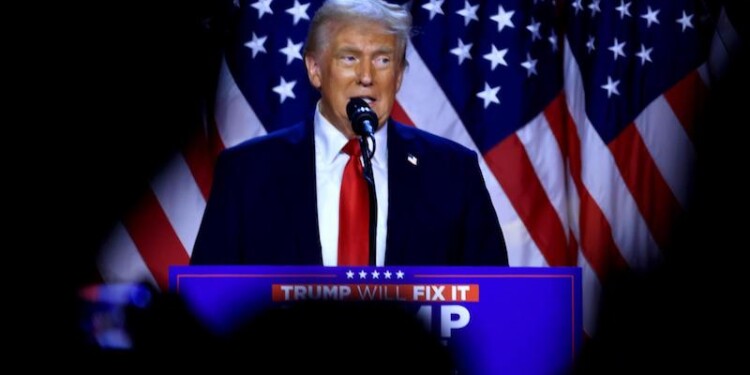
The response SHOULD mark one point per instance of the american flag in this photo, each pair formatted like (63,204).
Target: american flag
(582,110)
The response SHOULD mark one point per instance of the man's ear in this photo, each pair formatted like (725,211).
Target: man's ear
(313,71)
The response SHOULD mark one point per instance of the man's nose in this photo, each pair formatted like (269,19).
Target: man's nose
(365,74)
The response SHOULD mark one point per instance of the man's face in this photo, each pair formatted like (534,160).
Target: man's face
(360,60)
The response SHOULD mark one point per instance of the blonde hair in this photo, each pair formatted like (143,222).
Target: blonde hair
(395,18)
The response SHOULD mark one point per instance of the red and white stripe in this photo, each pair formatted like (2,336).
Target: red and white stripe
(439,117)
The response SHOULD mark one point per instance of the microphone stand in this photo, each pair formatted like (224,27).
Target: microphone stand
(367,155)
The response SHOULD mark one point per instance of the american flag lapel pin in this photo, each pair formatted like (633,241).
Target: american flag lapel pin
(411,159)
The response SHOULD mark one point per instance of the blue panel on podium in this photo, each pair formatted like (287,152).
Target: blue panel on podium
(509,320)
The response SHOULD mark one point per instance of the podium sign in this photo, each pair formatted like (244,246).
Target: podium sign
(509,320)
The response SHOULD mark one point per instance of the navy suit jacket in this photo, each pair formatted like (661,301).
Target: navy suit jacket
(262,208)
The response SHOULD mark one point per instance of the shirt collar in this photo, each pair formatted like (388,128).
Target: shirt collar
(381,145)
(331,140)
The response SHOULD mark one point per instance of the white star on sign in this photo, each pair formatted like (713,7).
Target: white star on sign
(650,16)
(611,87)
(387,274)
(257,44)
(399,274)
(469,13)
(412,159)
(292,51)
(375,274)
(462,51)
(496,57)
(489,95)
(435,6)
(685,21)
(362,274)
(299,11)
(349,274)
(263,7)
(284,89)
(503,18)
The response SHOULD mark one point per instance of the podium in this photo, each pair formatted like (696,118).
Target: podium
(502,320)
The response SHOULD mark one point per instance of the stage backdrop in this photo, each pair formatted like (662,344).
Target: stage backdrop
(583,112)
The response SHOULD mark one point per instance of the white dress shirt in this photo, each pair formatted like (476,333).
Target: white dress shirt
(329,169)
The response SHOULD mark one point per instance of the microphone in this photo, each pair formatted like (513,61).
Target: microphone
(363,118)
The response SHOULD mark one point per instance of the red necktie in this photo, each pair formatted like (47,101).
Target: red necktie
(354,211)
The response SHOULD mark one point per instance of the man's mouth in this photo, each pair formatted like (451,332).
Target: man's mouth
(368,99)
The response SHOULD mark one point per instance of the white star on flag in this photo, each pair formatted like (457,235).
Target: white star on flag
(257,44)
(503,18)
(349,274)
(611,87)
(577,6)
(299,11)
(292,51)
(469,13)
(533,28)
(590,44)
(594,7)
(530,65)
(263,7)
(362,274)
(553,41)
(685,21)
(644,54)
(617,49)
(462,51)
(650,16)
(496,57)
(375,274)
(284,89)
(400,274)
(435,6)
(489,95)
(387,274)
(623,9)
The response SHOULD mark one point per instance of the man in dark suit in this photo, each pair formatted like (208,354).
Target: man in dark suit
(275,199)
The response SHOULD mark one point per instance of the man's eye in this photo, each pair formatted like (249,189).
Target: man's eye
(382,61)
(348,59)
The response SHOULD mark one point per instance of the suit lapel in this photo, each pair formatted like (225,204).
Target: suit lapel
(403,186)
(303,207)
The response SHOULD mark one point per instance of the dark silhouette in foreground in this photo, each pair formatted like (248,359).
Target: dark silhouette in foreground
(304,337)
